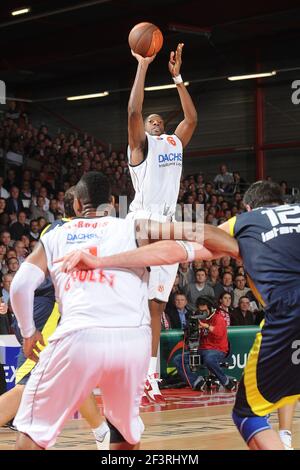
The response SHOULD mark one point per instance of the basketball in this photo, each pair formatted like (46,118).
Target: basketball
(145,39)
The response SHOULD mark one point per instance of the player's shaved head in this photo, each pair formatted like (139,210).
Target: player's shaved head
(263,193)
(93,189)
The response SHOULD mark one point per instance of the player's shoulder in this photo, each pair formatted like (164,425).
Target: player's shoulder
(54,225)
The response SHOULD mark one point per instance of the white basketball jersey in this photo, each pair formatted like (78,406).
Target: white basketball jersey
(97,298)
(157,179)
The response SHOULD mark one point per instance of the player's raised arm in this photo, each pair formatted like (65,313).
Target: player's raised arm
(185,128)
(136,130)
(29,276)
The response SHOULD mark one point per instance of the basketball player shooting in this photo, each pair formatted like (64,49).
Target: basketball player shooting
(155,164)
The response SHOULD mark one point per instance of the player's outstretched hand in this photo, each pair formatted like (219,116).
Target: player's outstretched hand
(175,60)
(140,58)
(32,346)
(78,260)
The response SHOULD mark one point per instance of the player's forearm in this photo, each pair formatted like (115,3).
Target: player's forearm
(156,254)
(136,99)
(24,283)
(218,241)
(188,107)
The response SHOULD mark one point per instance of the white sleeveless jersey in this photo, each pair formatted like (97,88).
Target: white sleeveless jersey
(97,298)
(157,179)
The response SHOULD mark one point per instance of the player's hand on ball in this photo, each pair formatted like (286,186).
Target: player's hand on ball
(175,60)
(146,60)
(32,346)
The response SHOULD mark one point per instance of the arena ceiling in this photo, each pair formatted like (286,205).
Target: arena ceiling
(73,41)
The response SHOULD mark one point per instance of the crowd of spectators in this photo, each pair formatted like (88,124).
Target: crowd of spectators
(36,170)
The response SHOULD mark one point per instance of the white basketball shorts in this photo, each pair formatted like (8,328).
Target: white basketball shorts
(161,278)
(71,367)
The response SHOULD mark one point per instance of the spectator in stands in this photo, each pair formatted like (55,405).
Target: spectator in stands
(2,257)
(242,314)
(20,227)
(239,184)
(186,275)
(32,245)
(44,193)
(60,201)
(6,282)
(53,211)
(26,241)
(197,288)
(225,263)
(42,222)
(20,251)
(26,191)
(240,290)
(4,319)
(13,265)
(226,286)
(214,277)
(38,210)
(179,313)
(3,192)
(2,205)
(224,306)
(34,232)
(14,203)
(5,238)
(224,180)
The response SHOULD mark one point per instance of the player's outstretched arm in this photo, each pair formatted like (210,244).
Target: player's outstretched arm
(156,254)
(28,278)
(136,130)
(185,128)
(215,245)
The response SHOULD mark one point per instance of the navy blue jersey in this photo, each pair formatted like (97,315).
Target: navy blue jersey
(269,241)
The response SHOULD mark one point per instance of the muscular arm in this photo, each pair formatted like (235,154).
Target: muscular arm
(215,245)
(136,130)
(185,128)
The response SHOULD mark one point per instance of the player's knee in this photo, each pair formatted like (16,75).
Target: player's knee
(115,435)
(250,425)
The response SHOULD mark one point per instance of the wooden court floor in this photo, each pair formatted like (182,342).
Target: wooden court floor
(190,421)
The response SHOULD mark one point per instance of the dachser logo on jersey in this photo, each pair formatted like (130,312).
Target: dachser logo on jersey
(170,157)
(80,237)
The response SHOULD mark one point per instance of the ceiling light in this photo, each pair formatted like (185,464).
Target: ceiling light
(86,97)
(22,11)
(163,87)
(254,75)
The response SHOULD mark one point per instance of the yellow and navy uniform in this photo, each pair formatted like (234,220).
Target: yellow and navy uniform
(269,243)
(45,313)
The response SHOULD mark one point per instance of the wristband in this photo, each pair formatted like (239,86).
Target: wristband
(190,251)
(177,79)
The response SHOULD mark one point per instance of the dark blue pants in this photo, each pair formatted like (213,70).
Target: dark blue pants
(210,358)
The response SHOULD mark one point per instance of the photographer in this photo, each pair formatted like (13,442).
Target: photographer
(211,342)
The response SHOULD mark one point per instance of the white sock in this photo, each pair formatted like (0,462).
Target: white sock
(152,366)
(100,431)
(285,437)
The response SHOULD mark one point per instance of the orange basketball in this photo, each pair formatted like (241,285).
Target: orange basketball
(145,39)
